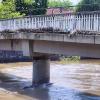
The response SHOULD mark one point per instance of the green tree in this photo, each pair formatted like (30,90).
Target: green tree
(14,8)
(31,7)
(60,3)
(7,9)
(29,1)
(25,6)
(88,5)
(40,7)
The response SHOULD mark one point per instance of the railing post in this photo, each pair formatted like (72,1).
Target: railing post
(97,22)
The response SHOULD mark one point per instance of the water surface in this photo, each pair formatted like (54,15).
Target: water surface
(74,81)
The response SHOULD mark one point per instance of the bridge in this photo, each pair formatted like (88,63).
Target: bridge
(38,37)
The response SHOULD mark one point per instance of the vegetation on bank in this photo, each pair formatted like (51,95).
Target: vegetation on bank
(72,59)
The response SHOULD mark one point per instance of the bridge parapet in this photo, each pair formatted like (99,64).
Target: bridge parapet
(65,22)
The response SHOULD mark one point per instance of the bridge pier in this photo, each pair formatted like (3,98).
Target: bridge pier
(41,70)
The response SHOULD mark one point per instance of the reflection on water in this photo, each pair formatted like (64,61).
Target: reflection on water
(79,81)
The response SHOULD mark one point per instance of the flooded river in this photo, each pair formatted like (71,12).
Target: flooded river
(73,81)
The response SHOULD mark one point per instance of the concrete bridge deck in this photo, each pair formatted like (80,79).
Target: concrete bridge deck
(51,43)
(74,38)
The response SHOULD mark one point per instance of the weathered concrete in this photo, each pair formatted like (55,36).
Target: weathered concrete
(50,43)
(41,70)
(67,48)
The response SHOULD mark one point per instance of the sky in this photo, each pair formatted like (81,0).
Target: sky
(75,1)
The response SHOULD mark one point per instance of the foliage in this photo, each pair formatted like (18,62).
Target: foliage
(60,3)
(31,7)
(28,1)
(41,6)
(18,8)
(88,5)
(25,6)
(7,10)
(72,59)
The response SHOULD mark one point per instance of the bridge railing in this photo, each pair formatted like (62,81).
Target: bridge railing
(64,22)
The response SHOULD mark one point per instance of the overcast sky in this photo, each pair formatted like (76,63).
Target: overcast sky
(75,1)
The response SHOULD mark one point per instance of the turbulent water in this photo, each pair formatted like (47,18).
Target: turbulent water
(78,81)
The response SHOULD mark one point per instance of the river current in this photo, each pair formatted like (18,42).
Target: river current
(72,81)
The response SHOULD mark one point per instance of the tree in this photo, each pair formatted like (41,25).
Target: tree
(88,5)
(60,3)
(31,7)
(14,8)
(7,9)
(25,6)
(40,6)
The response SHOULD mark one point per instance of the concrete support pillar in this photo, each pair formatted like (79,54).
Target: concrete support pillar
(41,70)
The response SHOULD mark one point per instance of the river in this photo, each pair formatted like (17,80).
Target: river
(72,81)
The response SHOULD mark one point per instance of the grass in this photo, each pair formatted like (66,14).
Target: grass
(67,60)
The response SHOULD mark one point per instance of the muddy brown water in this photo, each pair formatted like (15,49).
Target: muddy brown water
(74,81)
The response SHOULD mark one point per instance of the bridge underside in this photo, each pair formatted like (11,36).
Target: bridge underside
(70,49)
(27,48)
